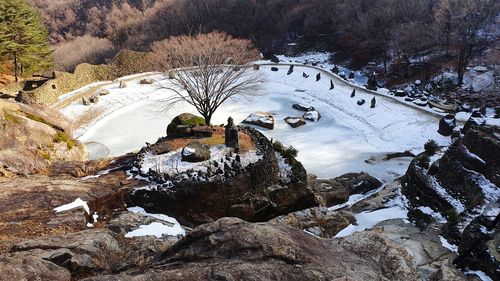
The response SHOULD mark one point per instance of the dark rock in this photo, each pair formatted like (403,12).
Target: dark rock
(400,93)
(372,82)
(335,69)
(196,152)
(305,75)
(295,122)
(332,86)
(256,67)
(274,68)
(146,81)
(85,101)
(373,102)
(94,99)
(361,102)
(337,191)
(446,125)
(351,75)
(272,57)
(353,93)
(318,77)
(290,70)
(231,135)
(302,107)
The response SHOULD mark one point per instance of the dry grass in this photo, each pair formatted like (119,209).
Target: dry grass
(245,141)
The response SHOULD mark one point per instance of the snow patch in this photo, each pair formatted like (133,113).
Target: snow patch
(78,203)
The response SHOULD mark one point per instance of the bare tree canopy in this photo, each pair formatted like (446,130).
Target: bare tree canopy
(208,69)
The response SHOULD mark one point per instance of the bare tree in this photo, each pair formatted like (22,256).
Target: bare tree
(465,22)
(206,70)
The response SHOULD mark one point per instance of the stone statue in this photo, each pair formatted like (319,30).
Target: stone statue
(231,137)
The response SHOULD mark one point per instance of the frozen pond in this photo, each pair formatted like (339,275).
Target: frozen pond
(346,135)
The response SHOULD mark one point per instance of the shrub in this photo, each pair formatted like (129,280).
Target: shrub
(431,147)
(61,137)
(286,152)
(423,160)
(45,155)
(195,121)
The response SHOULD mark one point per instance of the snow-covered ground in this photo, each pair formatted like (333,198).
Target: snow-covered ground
(345,136)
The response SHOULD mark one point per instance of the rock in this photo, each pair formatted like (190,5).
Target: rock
(446,125)
(261,119)
(332,86)
(85,101)
(480,68)
(482,82)
(26,267)
(418,82)
(231,249)
(196,152)
(270,56)
(361,102)
(274,68)
(181,125)
(94,99)
(295,122)
(373,102)
(312,116)
(421,102)
(353,93)
(104,92)
(372,82)
(305,75)
(122,85)
(351,75)
(290,70)
(337,191)
(318,77)
(256,67)
(257,193)
(446,80)
(302,107)
(146,81)
(335,69)
(317,220)
(231,138)
(400,93)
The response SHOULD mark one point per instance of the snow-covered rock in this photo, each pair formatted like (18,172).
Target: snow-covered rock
(480,68)
(261,119)
(312,116)
(295,122)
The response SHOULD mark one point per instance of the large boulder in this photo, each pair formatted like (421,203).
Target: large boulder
(261,119)
(181,125)
(302,107)
(447,124)
(482,82)
(196,152)
(231,249)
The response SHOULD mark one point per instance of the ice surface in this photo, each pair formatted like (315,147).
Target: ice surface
(340,142)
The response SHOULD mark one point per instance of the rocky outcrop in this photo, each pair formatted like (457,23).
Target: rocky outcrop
(446,125)
(32,137)
(231,249)
(337,191)
(255,193)
(318,221)
(460,191)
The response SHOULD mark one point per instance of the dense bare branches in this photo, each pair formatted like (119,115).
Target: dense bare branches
(209,69)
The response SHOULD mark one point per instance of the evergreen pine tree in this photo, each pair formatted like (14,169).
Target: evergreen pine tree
(23,38)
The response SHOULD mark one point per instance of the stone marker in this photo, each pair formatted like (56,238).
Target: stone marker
(318,77)
(331,85)
(373,102)
(353,93)
(231,135)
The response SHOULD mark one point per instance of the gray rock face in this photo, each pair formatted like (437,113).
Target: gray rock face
(482,82)
(25,267)
(446,125)
(231,249)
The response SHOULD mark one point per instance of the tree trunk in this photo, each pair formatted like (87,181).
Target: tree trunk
(15,66)
(208,118)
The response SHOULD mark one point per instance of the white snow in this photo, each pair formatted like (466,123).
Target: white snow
(311,116)
(355,198)
(260,117)
(457,205)
(447,245)
(172,228)
(171,163)
(155,229)
(78,203)
(435,215)
(366,220)
(479,274)
(347,135)
(285,169)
